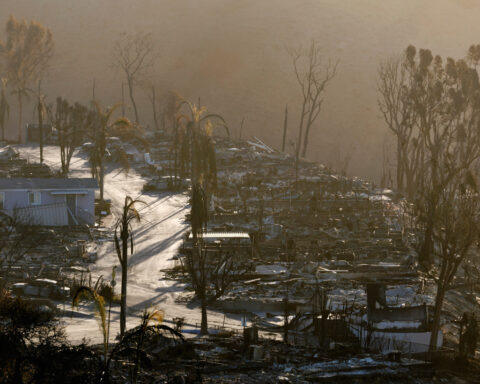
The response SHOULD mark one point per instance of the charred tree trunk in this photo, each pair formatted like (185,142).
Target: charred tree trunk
(300,132)
(175,150)
(123,303)
(154,107)
(305,139)
(132,99)
(400,172)
(40,131)
(101,177)
(123,99)
(285,128)
(436,317)
(20,113)
(204,324)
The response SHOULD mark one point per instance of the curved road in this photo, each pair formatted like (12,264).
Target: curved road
(157,238)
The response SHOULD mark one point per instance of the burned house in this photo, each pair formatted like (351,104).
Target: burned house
(404,328)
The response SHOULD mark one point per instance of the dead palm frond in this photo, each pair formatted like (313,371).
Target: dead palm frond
(101,129)
(131,345)
(85,292)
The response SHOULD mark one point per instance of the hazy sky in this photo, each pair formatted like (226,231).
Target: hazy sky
(233,54)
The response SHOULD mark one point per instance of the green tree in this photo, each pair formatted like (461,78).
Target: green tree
(26,51)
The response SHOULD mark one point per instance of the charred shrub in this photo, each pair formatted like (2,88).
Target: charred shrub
(33,348)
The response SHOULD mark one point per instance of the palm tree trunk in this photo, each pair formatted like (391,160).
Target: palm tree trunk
(123,303)
(40,130)
(101,176)
(175,146)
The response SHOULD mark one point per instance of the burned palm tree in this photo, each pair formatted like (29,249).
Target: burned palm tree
(100,128)
(199,211)
(123,243)
(210,272)
(86,292)
(171,104)
(26,51)
(198,142)
(41,113)
(132,345)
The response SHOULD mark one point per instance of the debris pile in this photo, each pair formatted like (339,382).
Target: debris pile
(318,240)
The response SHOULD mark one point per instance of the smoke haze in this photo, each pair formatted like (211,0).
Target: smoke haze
(233,55)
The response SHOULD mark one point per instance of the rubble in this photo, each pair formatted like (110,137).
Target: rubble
(312,242)
(318,239)
(49,270)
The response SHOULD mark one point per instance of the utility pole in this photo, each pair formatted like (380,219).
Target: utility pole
(93,90)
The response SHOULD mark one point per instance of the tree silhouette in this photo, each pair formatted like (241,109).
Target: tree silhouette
(197,145)
(26,51)
(4,107)
(210,271)
(40,111)
(100,130)
(134,54)
(71,123)
(85,292)
(123,238)
(312,76)
(436,107)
